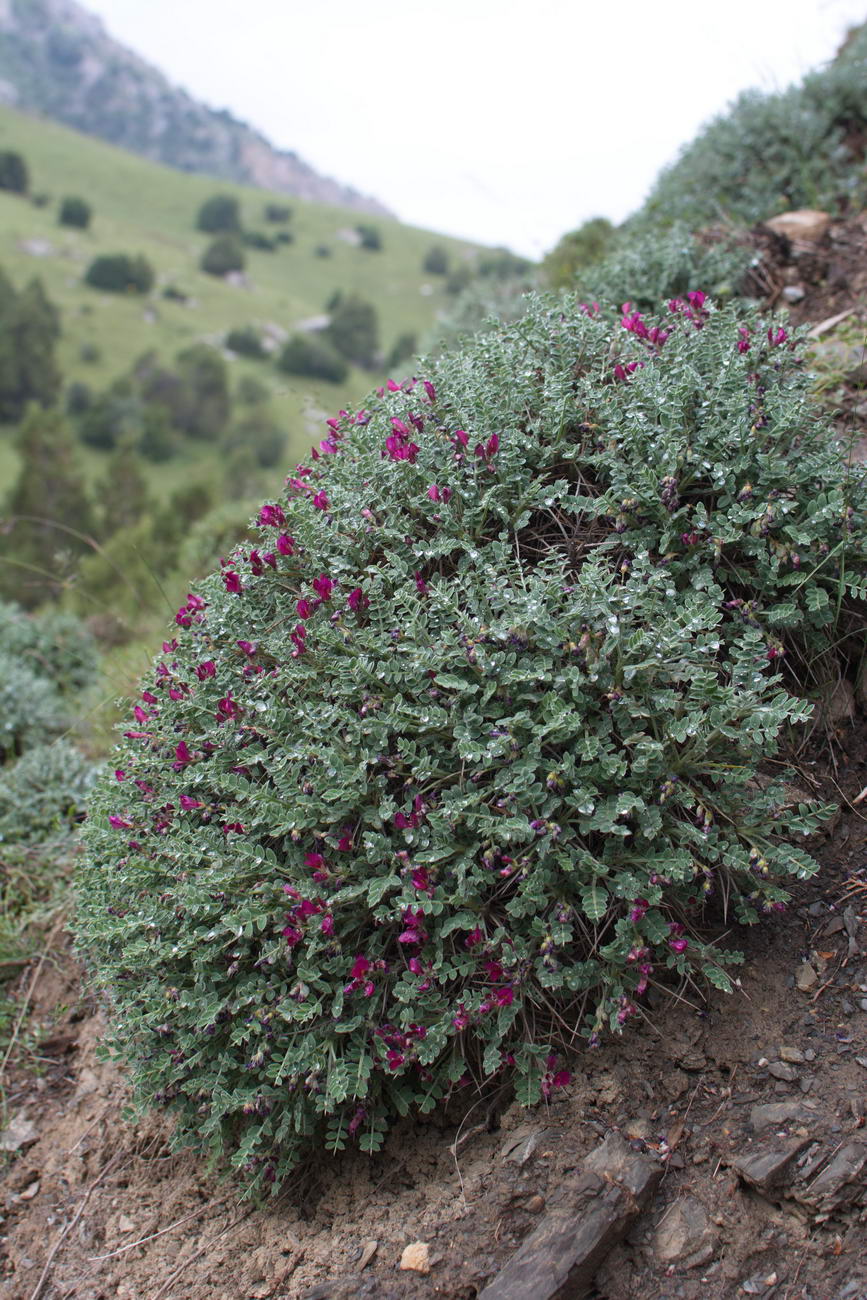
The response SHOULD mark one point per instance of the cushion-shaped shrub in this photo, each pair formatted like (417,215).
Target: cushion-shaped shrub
(31,710)
(222,256)
(44,793)
(75,211)
(313,356)
(120,273)
(53,645)
(435,780)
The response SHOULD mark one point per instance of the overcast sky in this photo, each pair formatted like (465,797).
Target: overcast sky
(504,121)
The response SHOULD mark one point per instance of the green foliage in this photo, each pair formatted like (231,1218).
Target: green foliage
(646,268)
(222,256)
(403,349)
(44,793)
(313,356)
(578,249)
(78,398)
(246,341)
(31,709)
(49,518)
(205,405)
(123,491)
(797,148)
(259,240)
(14,175)
(75,212)
(52,645)
(354,329)
(279,213)
(436,260)
(461,755)
(120,273)
(214,535)
(219,214)
(369,236)
(29,330)
(261,434)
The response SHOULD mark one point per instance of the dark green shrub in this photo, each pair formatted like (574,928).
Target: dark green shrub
(404,347)
(219,214)
(251,391)
(503,264)
(14,175)
(369,236)
(322,250)
(31,710)
(75,212)
(89,354)
(313,356)
(279,213)
(246,341)
(40,200)
(222,256)
(204,404)
(216,534)
(436,261)
(44,793)
(354,329)
(79,397)
(259,240)
(284,237)
(460,757)
(172,294)
(120,273)
(259,432)
(29,331)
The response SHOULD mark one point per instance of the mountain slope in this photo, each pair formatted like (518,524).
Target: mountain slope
(58,60)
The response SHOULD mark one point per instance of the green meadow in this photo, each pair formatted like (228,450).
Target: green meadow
(141,207)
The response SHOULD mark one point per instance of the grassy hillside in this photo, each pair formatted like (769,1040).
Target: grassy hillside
(141,207)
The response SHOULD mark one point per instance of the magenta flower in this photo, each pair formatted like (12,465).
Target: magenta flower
(271,515)
(188,803)
(420,584)
(678,945)
(119,823)
(149,697)
(320,501)
(248,647)
(228,708)
(474,937)
(357,601)
(286,544)
(327,925)
(206,669)
(298,639)
(303,608)
(140,714)
(360,967)
(395,1059)
(119,774)
(639,907)
(393,387)
(292,936)
(430,390)
(323,586)
(775,338)
(195,603)
(460,438)
(183,757)
(232,582)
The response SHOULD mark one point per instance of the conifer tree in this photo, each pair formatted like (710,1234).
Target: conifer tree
(48,515)
(123,490)
(28,338)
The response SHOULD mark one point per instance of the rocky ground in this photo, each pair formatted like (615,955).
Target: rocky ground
(743,1117)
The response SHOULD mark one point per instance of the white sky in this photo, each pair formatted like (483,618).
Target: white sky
(496,120)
